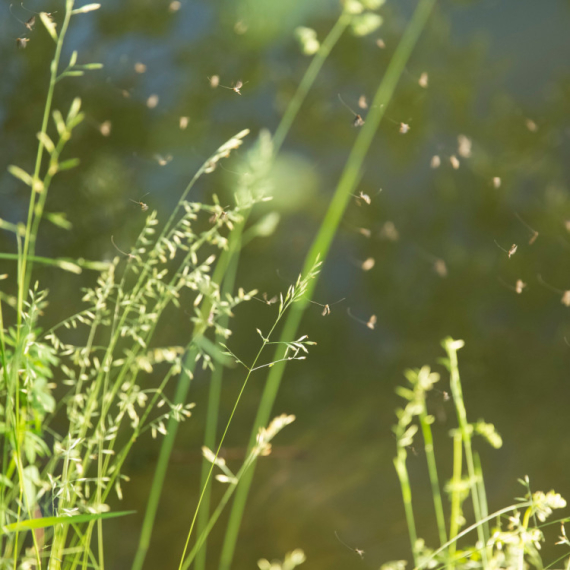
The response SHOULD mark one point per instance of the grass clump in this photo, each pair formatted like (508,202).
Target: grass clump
(508,538)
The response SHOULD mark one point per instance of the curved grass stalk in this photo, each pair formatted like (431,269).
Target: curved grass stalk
(213,519)
(321,246)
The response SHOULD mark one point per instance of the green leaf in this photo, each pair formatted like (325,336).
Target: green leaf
(72,265)
(373,4)
(49,25)
(59,122)
(68,164)
(71,74)
(74,109)
(59,219)
(210,348)
(86,8)
(21,174)
(45,522)
(46,141)
(91,66)
(365,24)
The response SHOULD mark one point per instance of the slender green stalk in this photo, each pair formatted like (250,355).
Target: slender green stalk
(67,264)
(402,471)
(5,446)
(483,495)
(24,276)
(25,273)
(211,521)
(434,480)
(212,418)
(455,494)
(321,246)
(308,79)
(452,347)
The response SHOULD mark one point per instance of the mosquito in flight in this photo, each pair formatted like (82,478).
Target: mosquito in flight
(326,308)
(358,121)
(144,207)
(128,255)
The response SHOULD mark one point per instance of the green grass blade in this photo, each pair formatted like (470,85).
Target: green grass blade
(402,471)
(455,494)
(322,244)
(433,477)
(45,522)
(67,264)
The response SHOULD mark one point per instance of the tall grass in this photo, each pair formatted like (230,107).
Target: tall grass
(518,546)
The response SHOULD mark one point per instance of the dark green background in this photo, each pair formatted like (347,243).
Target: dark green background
(492,64)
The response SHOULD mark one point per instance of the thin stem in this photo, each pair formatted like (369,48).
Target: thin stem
(432,468)
(202,537)
(263,345)
(308,80)
(402,471)
(455,494)
(24,276)
(482,495)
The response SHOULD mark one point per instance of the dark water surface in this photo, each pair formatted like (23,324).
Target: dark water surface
(498,74)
